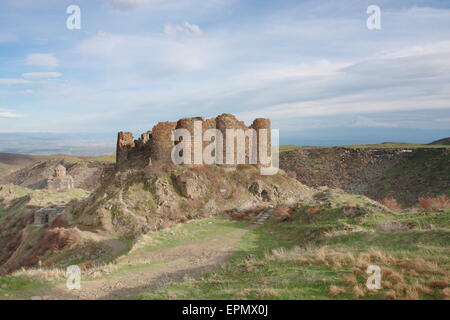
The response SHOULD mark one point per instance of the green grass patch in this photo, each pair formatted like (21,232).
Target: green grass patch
(259,269)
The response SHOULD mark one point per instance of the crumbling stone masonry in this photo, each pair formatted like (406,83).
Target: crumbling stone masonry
(157,144)
(61,181)
(47,215)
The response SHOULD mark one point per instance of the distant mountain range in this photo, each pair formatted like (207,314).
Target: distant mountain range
(95,144)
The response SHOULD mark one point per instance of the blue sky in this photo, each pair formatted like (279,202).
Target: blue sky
(313,67)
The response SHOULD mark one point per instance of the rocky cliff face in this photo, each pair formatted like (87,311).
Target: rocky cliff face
(134,201)
(405,174)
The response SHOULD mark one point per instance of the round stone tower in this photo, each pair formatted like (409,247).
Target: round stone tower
(228,121)
(196,137)
(161,142)
(259,124)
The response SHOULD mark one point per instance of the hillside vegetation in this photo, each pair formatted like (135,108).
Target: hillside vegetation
(324,251)
(444,141)
(321,252)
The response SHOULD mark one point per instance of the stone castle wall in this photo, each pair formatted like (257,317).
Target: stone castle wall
(157,143)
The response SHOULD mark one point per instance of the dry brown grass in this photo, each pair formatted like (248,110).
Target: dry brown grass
(391,203)
(441,202)
(362,260)
(419,265)
(401,278)
(334,291)
(243,293)
(441,284)
(350,203)
(350,280)
(312,211)
(265,293)
(445,294)
(391,295)
(358,291)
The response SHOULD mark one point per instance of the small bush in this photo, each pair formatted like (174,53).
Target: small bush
(335,291)
(441,202)
(312,211)
(350,203)
(283,213)
(391,203)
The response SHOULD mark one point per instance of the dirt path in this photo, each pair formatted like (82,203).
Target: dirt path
(151,270)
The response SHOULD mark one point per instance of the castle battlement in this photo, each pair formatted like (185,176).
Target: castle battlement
(158,143)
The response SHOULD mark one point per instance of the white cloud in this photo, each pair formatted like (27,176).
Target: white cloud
(154,53)
(7,114)
(42,60)
(13,81)
(40,75)
(185,28)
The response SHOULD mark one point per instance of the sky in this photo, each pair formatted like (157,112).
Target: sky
(313,67)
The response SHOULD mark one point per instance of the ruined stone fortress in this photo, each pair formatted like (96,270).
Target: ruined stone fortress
(158,143)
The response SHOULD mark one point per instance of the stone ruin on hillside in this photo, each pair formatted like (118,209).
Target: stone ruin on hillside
(61,181)
(157,144)
(47,215)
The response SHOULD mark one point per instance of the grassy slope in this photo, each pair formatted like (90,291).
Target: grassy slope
(326,255)
(301,259)
(42,197)
(25,284)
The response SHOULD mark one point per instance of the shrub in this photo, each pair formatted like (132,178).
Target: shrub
(335,290)
(313,210)
(283,213)
(441,202)
(391,203)
(350,203)
(60,222)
